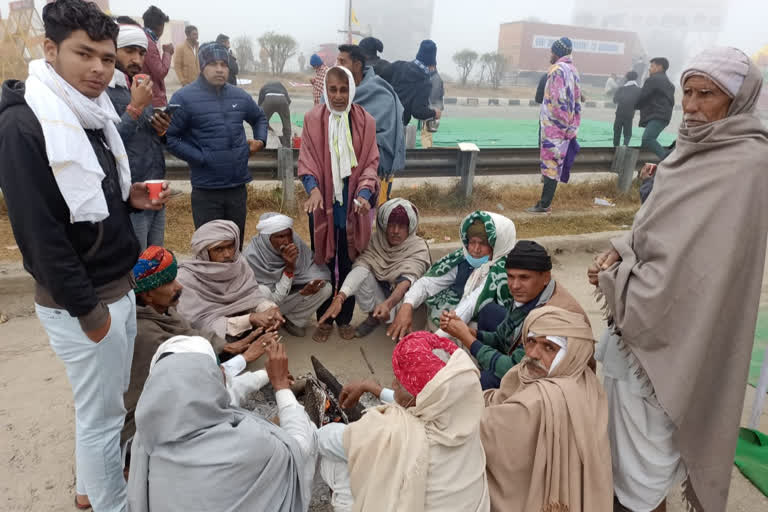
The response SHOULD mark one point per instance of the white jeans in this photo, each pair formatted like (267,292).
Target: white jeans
(99,374)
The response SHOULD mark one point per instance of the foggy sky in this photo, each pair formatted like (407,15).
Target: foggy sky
(457,24)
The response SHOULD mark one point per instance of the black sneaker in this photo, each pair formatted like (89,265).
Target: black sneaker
(367,327)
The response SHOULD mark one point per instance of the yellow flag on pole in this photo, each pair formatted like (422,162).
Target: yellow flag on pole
(353,17)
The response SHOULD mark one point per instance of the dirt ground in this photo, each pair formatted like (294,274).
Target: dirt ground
(36,412)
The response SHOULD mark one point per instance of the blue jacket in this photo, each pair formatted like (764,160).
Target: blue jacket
(207,132)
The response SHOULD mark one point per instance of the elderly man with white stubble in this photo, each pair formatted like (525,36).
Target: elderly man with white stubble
(682,291)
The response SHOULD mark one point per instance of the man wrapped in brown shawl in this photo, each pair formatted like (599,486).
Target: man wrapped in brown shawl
(546,437)
(682,290)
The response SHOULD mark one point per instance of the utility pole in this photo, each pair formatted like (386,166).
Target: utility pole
(348,25)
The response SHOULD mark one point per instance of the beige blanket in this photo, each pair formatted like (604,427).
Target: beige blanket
(428,457)
(546,439)
(684,298)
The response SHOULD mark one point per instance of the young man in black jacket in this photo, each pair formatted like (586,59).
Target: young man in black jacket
(67,186)
(656,103)
(625,99)
(412,83)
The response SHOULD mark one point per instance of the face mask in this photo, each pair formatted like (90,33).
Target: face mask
(477,262)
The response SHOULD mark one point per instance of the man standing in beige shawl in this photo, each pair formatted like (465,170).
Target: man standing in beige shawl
(385,271)
(682,291)
(421,452)
(545,429)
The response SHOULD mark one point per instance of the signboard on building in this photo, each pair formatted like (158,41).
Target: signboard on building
(582,45)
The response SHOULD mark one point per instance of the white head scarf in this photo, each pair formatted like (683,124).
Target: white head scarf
(343,157)
(64,113)
(271,223)
(131,35)
(186,345)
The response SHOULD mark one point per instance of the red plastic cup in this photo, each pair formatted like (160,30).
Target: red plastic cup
(297,142)
(154,187)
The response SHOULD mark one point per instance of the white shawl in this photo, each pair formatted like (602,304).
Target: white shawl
(64,115)
(343,157)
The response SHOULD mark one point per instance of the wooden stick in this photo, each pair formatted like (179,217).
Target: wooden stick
(370,367)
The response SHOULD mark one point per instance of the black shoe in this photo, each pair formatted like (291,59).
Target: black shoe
(367,327)
(538,209)
(294,330)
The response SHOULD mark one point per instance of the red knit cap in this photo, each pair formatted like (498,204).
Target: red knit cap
(414,362)
(399,216)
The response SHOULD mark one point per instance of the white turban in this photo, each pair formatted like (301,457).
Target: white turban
(561,342)
(727,67)
(271,223)
(186,345)
(131,35)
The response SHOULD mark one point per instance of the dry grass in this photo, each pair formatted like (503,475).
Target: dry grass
(434,200)
(431,200)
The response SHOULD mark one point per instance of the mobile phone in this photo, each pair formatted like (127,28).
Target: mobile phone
(168,109)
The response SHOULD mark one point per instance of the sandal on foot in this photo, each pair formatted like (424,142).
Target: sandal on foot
(347,332)
(367,327)
(322,332)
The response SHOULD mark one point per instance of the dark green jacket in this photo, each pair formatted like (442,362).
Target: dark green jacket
(500,350)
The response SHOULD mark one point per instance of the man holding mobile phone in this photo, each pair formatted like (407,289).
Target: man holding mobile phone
(141,127)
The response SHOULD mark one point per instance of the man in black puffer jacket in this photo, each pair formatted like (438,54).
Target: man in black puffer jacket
(657,100)
(67,187)
(413,85)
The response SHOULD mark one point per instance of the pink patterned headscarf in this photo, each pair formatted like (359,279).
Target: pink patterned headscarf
(415,361)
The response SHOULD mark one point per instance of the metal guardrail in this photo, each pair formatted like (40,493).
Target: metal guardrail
(280,164)
(439,162)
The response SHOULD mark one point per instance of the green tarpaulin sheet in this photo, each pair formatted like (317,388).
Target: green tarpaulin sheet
(507,133)
(752,457)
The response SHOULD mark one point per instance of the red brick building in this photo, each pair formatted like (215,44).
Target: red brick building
(597,52)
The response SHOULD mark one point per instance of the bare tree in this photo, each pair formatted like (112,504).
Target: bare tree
(493,66)
(280,48)
(465,61)
(244,53)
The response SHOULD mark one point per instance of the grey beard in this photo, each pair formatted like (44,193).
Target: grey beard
(534,363)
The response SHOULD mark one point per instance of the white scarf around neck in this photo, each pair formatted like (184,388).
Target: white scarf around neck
(631,83)
(343,157)
(64,115)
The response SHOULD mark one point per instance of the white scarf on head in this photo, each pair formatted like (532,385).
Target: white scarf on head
(343,157)
(272,222)
(64,115)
